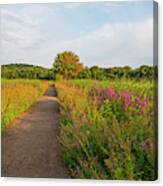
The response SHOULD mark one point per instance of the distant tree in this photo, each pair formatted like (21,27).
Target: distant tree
(97,73)
(126,71)
(114,72)
(122,72)
(143,71)
(68,65)
(86,73)
(118,72)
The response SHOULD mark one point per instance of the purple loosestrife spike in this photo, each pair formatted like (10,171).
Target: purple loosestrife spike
(111,93)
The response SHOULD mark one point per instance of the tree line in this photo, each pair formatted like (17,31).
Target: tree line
(25,71)
(67,65)
(143,71)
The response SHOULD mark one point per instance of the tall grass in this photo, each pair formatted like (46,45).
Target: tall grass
(17,96)
(101,138)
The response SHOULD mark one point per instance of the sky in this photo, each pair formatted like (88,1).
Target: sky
(101,33)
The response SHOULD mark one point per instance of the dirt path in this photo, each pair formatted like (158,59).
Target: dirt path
(30,147)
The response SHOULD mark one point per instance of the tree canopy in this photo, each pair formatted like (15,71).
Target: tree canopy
(68,65)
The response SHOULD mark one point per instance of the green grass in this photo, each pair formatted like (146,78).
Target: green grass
(17,96)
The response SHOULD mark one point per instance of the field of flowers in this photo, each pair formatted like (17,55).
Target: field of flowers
(17,96)
(108,128)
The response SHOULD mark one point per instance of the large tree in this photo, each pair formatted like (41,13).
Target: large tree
(68,65)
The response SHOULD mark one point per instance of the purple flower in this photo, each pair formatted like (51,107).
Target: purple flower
(111,93)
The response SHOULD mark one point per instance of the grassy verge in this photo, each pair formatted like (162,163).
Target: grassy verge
(17,96)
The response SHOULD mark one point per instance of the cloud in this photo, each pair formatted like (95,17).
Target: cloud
(36,33)
(113,44)
(19,30)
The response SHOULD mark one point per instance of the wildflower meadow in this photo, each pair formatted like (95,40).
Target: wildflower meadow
(108,128)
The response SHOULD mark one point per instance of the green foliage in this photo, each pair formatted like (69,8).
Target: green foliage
(113,110)
(25,71)
(97,73)
(67,64)
(86,73)
(144,71)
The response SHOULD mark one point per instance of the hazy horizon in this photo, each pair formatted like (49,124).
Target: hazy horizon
(102,33)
